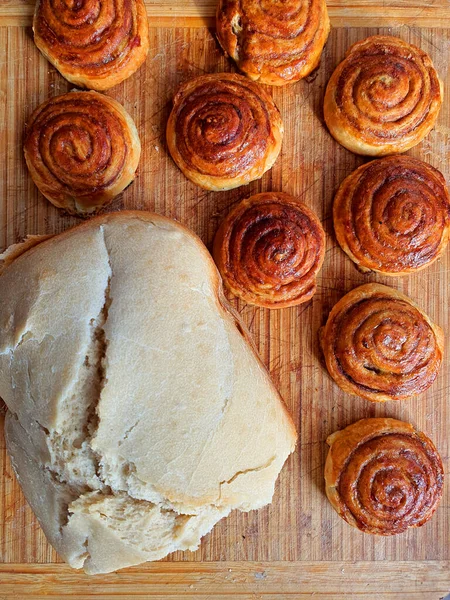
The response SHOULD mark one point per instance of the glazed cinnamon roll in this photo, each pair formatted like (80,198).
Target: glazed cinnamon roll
(273,42)
(224,131)
(82,150)
(380,346)
(269,250)
(383,98)
(382,476)
(94,44)
(393,215)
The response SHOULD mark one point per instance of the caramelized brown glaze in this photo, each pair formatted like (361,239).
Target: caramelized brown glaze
(82,150)
(393,215)
(382,476)
(224,131)
(273,42)
(94,44)
(379,345)
(269,250)
(383,98)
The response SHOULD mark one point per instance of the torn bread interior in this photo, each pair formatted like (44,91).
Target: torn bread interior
(139,414)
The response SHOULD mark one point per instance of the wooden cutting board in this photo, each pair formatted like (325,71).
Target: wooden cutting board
(298,546)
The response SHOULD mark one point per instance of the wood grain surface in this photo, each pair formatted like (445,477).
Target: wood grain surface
(226,580)
(301,547)
(198,13)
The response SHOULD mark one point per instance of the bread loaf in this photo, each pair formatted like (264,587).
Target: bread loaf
(138,414)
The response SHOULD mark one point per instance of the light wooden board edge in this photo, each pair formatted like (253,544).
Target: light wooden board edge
(203,16)
(427,579)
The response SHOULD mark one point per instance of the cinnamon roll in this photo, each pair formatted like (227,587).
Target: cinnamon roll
(380,346)
(382,476)
(269,250)
(383,98)
(273,42)
(94,44)
(393,215)
(82,150)
(224,131)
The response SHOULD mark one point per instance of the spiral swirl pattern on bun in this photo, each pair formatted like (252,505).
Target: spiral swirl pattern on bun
(382,476)
(94,44)
(224,131)
(269,250)
(273,42)
(393,215)
(379,345)
(383,98)
(82,150)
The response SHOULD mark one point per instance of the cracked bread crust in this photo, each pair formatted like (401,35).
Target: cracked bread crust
(126,377)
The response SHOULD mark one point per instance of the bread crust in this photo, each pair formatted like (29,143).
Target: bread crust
(383,476)
(392,215)
(82,150)
(379,345)
(125,216)
(383,98)
(276,44)
(93,49)
(269,250)
(224,131)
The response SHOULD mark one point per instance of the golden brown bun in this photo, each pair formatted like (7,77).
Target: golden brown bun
(380,346)
(82,150)
(392,215)
(92,44)
(382,476)
(269,250)
(224,131)
(273,43)
(383,98)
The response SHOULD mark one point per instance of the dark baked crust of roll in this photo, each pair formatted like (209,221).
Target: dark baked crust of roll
(380,346)
(393,215)
(93,44)
(382,476)
(269,250)
(271,42)
(224,131)
(82,149)
(383,98)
